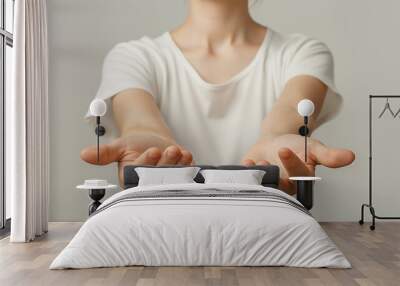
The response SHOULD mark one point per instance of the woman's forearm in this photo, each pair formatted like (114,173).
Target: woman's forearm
(284,118)
(135,111)
(140,131)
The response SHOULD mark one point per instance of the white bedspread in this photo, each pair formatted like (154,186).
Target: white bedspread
(191,231)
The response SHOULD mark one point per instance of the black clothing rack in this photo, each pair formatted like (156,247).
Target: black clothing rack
(370,204)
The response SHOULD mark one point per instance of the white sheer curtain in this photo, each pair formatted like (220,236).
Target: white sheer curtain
(27,126)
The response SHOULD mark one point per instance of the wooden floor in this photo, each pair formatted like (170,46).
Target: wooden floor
(375,257)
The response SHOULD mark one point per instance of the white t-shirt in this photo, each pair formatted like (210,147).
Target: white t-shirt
(218,123)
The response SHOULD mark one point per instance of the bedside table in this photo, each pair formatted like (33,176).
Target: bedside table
(97,190)
(305,192)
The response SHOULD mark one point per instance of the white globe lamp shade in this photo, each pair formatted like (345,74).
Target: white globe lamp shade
(98,107)
(305,107)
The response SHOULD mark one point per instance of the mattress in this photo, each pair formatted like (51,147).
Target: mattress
(201,225)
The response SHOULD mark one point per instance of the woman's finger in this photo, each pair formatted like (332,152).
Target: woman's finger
(186,158)
(287,186)
(170,156)
(248,162)
(149,157)
(331,157)
(263,163)
(294,165)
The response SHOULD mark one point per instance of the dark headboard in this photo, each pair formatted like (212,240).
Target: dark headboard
(270,179)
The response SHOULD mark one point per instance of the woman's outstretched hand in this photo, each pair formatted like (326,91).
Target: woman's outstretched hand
(142,148)
(287,151)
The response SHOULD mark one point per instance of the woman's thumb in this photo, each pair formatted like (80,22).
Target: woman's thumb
(108,153)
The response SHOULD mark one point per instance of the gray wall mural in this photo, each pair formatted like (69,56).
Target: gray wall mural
(361,34)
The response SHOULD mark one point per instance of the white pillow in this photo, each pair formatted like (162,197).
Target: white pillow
(248,177)
(162,176)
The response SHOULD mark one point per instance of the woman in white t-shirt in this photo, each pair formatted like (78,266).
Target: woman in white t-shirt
(219,89)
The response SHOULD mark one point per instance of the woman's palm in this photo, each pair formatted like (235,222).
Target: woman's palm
(288,152)
(139,149)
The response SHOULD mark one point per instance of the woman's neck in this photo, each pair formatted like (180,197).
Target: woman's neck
(218,21)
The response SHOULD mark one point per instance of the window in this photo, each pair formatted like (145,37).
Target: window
(6,63)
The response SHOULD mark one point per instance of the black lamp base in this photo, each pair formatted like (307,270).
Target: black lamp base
(96,195)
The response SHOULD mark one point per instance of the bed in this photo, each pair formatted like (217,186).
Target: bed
(201,224)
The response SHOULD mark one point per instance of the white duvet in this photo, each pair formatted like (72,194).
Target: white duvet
(200,231)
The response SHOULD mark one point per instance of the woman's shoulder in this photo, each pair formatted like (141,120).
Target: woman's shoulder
(145,46)
(290,43)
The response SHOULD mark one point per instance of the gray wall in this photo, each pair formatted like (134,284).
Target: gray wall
(363,35)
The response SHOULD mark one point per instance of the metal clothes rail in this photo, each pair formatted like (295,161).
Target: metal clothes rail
(370,202)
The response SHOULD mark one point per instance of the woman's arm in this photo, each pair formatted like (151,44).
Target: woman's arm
(135,110)
(145,138)
(284,118)
(279,142)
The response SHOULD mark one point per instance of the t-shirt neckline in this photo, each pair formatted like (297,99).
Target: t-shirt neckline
(262,50)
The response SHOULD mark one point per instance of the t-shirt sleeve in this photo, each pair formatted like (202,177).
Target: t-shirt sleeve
(307,56)
(127,65)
